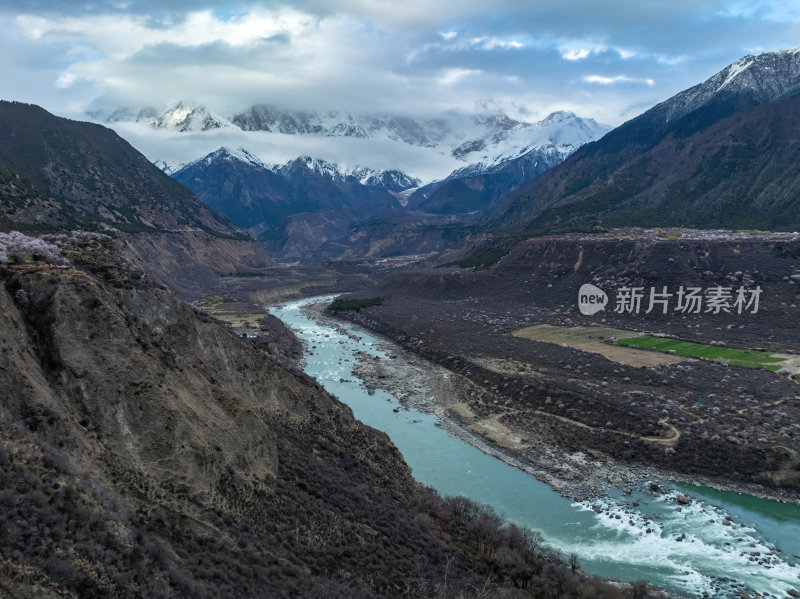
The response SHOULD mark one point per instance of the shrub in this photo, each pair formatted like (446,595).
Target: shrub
(21,297)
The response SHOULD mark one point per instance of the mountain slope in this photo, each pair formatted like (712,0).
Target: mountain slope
(295,207)
(610,174)
(100,181)
(237,185)
(57,174)
(249,192)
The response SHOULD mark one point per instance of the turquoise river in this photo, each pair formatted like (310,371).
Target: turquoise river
(713,560)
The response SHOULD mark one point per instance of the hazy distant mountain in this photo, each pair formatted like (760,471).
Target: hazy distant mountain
(721,153)
(179,117)
(417,132)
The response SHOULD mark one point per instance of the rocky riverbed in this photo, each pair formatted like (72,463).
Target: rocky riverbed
(686,531)
(581,475)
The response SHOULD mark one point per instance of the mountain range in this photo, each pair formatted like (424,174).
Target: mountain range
(251,193)
(297,207)
(720,154)
(457,140)
(529,152)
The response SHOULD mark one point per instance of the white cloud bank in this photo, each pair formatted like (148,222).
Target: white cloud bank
(608,61)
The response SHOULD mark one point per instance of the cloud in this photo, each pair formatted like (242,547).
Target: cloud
(618,79)
(411,57)
(574,54)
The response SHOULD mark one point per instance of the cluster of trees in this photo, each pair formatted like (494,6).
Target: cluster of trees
(340,305)
(18,247)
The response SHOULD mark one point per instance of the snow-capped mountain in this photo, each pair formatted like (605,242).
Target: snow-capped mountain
(416,132)
(250,192)
(294,207)
(715,155)
(502,164)
(165,166)
(306,165)
(559,134)
(180,117)
(428,148)
(393,180)
(763,78)
(230,156)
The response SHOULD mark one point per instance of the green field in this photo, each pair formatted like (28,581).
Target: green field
(748,358)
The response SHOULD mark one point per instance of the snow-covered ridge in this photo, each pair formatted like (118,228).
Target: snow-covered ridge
(240,154)
(560,133)
(485,144)
(181,117)
(461,136)
(392,180)
(767,76)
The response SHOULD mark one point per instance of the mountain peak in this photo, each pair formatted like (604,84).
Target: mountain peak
(558,116)
(182,116)
(762,78)
(228,154)
(317,166)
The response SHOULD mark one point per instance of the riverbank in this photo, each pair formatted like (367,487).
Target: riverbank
(691,544)
(584,476)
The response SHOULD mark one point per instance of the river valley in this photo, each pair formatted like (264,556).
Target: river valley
(721,544)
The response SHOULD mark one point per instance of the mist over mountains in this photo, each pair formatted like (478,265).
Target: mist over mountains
(297,206)
(427,148)
(561,173)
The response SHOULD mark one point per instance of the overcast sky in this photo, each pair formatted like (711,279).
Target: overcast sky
(607,60)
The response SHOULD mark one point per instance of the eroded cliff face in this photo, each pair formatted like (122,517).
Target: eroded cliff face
(147,451)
